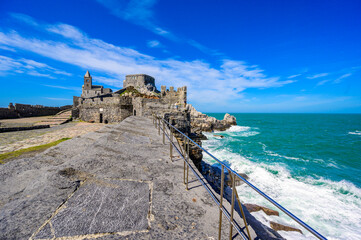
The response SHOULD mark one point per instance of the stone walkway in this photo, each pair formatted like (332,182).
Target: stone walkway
(12,141)
(115,183)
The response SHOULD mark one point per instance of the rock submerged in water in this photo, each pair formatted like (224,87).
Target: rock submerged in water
(255,208)
(218,135)
(280,227)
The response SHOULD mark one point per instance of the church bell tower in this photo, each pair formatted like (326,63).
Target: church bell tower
(87,81)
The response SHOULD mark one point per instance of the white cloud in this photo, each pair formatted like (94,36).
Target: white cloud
(293,76)
(318,75)
(58,99)
(223,83)
(320,83)
(24,18)
(9,65)
(154,44)
(78,89)
(140,12)
(338,80)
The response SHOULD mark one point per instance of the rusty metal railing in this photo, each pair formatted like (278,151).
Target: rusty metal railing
(184,154)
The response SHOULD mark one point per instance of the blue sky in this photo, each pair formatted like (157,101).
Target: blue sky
(234,56)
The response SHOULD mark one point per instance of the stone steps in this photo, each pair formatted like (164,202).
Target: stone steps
(57,119)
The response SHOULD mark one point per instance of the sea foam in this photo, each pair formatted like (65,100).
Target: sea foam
(330,207)
(242,131)
(355,133)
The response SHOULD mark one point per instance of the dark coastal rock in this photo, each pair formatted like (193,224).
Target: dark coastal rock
(280,227)
(255,208)
(218,135)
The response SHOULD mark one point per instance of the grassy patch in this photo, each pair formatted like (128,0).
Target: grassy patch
(17,153)
(132,90)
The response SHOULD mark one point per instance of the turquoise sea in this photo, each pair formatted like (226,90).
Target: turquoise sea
(309,163)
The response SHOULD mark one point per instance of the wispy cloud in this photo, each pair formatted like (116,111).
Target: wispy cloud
(338,80)
(77,89)
(318,75)
(58,99)
(22,65)
(320,83)
(154,44)
(224,83)
(140,12)
(293,76)
(24,18)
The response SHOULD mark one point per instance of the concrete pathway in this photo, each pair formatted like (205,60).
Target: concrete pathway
(115,183)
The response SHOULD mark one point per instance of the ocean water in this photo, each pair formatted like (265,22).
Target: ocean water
(309,163)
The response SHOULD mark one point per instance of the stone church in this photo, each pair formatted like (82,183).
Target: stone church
(139,96)
(90,90)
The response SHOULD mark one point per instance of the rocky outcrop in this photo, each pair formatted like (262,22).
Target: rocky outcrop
(203,122)
(229,119)
(255,208)
(280,227)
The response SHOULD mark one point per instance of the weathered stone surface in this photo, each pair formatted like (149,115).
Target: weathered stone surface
(280,227)
(33,189)
(102,206)
(255,208)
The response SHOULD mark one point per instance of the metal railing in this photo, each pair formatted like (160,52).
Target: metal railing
(184,154)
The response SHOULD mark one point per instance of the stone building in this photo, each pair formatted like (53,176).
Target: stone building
(139,81)
(139,96)
(90,90)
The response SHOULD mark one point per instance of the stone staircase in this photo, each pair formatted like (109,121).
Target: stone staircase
(60,118)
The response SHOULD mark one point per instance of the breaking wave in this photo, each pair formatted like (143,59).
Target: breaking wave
(355,133)
(331,207)
(242,131)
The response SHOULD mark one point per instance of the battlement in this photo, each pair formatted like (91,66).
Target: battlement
(177,98)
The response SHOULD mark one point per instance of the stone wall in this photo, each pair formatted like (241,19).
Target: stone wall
(106,109)
(8,113)
(25,110)
(138,81)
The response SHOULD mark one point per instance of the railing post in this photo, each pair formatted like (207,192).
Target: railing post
(158,126)
(187,154)
(232,207)
(163,132)
(184,162)
(242,212)
(221,204)
(171,143)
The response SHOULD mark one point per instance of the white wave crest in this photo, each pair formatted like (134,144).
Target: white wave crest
(238,129)
(242,131)
(355,133)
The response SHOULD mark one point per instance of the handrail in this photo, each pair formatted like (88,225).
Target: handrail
(299,221)
(186,162)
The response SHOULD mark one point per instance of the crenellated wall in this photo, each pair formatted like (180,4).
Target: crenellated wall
(176,98)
